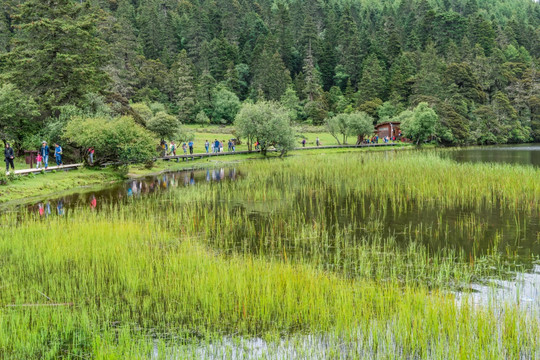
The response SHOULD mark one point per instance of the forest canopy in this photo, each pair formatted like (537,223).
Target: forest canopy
(474,62)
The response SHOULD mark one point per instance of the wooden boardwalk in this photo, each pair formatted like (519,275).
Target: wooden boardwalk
(204,155)
(207,155)
(49,169)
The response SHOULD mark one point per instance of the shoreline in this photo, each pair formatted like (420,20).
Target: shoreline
(29,188)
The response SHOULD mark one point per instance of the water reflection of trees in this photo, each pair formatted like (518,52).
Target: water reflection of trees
(134,188)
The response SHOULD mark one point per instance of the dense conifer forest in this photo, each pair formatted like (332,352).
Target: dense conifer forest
(475,62)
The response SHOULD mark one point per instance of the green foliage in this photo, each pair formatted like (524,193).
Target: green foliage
(418,125)
(291,101)
(17,114)
(163,125)
(357,124)
(117,140)
(338,125)
(144,112)
(456,55)
(58,55)
(225,106)
(360,125)
(202,118)
(265,122)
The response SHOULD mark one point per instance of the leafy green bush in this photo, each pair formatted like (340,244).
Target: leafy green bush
(116,140)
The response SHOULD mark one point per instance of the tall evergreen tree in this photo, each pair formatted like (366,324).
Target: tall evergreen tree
(184,91)
(373,82)
(58,56)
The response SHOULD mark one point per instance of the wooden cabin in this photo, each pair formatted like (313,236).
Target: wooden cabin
(389,128)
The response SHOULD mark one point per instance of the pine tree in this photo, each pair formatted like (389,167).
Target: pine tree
(205,90)
(327,63)
(349,47)
(58,56)
(312,88)
(429,77)
(184,92)
(270,76)
(373,82)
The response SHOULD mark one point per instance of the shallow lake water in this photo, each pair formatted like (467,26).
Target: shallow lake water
(521,154)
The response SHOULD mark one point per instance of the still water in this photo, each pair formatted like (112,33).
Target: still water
(520,154)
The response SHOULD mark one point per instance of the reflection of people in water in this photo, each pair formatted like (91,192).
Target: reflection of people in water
(208,176)
(192,178)
(60,207)
(93,202)
(48,208)
(41,209)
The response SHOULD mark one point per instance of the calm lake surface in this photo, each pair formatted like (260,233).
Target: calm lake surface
(521,154)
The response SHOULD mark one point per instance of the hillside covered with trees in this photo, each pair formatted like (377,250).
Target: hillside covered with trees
(475,62)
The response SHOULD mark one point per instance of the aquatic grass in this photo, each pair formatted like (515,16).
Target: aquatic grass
(133,280)
(298,256)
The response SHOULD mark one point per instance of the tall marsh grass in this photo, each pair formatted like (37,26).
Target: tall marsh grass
(175,275)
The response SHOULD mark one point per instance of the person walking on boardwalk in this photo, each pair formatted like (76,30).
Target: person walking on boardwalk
(317,141)
(206,146)
(39,161)
(44,152)
(173,149)
(303,142)
(230,145)
(58,154)
(216,146)
(9,155)
(91,152)
(184,147)
(190,144)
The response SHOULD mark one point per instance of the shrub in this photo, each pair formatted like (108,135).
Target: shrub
(116,140)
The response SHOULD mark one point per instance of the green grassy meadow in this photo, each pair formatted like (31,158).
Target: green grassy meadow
(194,272)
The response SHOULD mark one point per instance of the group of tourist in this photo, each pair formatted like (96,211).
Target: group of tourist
(43,155)
(42,159)
(211,147)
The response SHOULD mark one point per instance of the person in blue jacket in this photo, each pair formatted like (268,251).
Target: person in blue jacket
(216,145)
(58,154)
(44,152)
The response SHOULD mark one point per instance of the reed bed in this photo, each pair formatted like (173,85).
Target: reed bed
(294,256)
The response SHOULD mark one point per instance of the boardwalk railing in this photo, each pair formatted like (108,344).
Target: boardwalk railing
(204,155)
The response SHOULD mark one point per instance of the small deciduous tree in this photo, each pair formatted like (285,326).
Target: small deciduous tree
(338,125)
(163,125)
(202,118)
(357,124)
(268,123)
(419,124)
(360,125)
